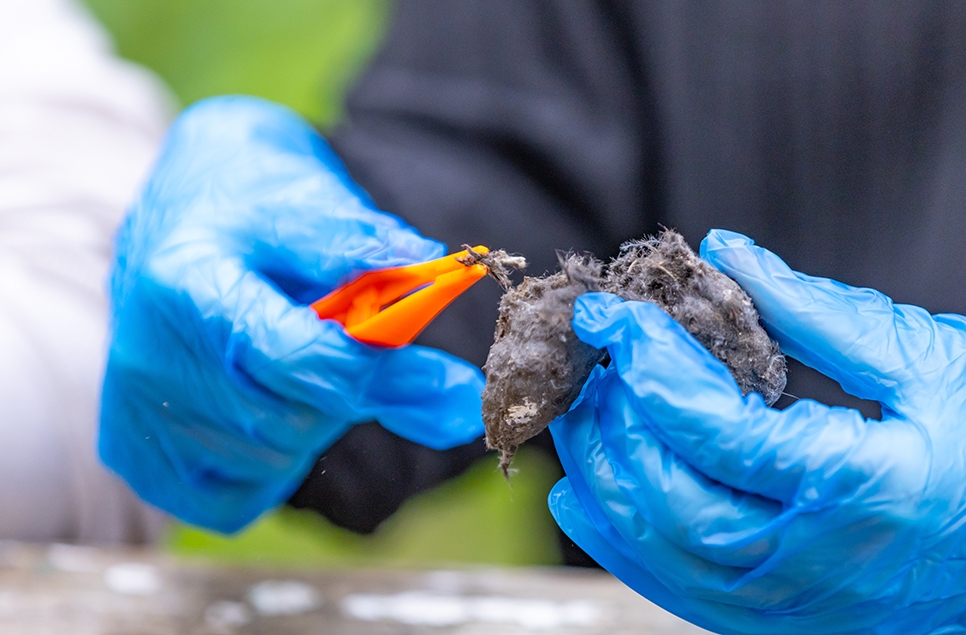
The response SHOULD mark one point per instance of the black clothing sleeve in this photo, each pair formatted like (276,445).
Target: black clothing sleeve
(370,472)
(833,133)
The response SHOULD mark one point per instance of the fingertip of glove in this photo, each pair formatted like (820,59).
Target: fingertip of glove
(602,319)
(427,396)
(569,514)
(740,258)
(558,499)
(719,240)
(219,125)
(593,312)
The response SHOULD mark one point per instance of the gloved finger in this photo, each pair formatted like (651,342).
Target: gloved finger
(675,568)
(421,394)
(642,485)
(754,605)
(309,263)
(427,396)
(873,348)
(214,449)
(218,475)
(692,403)
(305,223)
(602,543)
(284,348)
(239,140)
(227,416)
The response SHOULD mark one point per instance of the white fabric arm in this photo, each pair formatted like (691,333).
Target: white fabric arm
(78,130)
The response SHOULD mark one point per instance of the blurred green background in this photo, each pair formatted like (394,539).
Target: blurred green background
(304,53)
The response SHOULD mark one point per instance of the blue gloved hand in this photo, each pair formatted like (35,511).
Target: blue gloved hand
(222,387)
(745,519)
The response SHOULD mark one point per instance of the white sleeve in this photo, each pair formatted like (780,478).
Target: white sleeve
(78,131)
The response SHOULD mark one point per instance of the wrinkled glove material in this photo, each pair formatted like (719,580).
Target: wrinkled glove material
(222,388)
(745,519)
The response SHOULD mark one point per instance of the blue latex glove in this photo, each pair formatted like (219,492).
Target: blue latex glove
(745,519)
(221,389)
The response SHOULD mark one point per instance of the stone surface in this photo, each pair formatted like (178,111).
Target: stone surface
(53,590)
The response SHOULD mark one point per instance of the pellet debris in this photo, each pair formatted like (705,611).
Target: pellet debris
(537,364)
(497,262)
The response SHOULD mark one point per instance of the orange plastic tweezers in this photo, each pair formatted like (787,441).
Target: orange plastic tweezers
(390,307)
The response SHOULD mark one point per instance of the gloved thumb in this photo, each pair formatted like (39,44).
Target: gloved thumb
(855,335)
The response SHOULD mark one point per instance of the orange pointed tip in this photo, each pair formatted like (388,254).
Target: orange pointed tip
(390,307)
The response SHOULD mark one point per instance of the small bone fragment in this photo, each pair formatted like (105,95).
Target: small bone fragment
(498,263)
